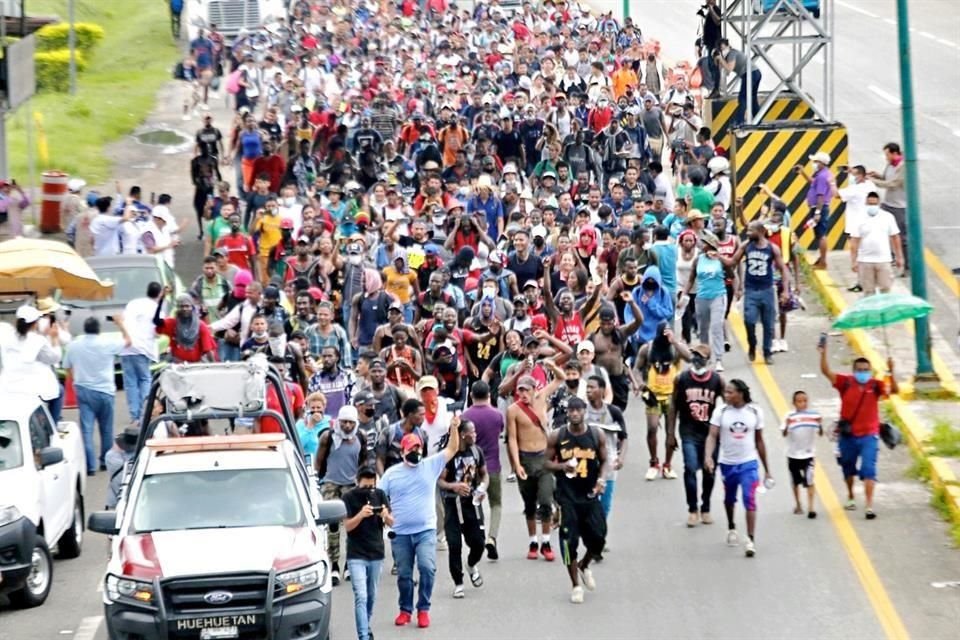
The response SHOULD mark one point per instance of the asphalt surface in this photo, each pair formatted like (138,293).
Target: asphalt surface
(837,576)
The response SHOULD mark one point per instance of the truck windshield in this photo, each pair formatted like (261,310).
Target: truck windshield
(218,499)
(11,449)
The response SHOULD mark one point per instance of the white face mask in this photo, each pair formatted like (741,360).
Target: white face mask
(258,335)
(699,370)
(289,201)
(354,259)
(873,209)
(489,292)
(278,344)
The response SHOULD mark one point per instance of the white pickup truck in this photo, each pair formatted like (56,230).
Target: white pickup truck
(42,482)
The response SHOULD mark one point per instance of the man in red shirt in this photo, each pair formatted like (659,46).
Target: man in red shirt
(190,339)
(859,423)
(272,164)
(269,424)
(238,245)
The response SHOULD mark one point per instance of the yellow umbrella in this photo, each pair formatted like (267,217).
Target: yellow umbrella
(43,267)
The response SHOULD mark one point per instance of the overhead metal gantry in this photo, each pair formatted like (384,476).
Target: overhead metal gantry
(784,38)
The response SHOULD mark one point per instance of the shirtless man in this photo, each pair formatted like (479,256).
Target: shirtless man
(527,444)
(609,342)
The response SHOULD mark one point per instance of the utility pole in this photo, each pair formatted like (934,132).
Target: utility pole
(918,275)
(72,44)
(626,9)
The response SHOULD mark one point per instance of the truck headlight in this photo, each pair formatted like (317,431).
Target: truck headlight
(292,582)
(129,590)
(8,514)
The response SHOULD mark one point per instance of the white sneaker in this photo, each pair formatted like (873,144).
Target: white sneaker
(586,579)
(783,346)
(732,538)
(653,472)
(441,544)
(669,473)
(749,548)
(719,367)
(458,592)
(576,596)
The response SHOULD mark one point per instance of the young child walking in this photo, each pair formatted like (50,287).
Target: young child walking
(801,428)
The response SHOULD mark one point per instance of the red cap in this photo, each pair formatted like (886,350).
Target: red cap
(286,223)
(410,441)
(316,293)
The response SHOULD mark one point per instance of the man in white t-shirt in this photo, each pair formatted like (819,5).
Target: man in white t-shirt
(737,425)
(137,358)
(875,243)
(855,196)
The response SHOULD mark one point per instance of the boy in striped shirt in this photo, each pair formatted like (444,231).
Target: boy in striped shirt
(801,428)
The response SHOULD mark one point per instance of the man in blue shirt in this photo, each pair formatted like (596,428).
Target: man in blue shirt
(90,359)
(411,487)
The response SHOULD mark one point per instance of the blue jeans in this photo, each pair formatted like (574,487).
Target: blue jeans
(55,406)
(421,547)
(606,498)
(136,383)
(95,405)
(760,304)
(364,576)
(228,352)
(694,451)
(754,83)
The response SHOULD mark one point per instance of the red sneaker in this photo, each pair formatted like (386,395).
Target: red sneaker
(532,553)
(423,619)
(402,619)
(547,552)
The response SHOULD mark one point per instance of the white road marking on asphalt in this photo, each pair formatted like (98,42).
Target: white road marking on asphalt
(847,5)
(942,123)
(947,43)
(946,227)
(88,628)
(890,21)
(944,585)
(928,35)
(889,97)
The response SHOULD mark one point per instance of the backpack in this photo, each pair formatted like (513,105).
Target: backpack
(233,81)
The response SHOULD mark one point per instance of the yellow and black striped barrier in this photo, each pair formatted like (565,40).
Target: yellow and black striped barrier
(767,154)
(718,114)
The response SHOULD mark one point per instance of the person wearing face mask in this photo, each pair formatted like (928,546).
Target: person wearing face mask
(258,335)
(411,488)
(489,426)
(190,339)
(340,454)
(696,393)
(368,510)
(655,303)
(313,423)
(876,243)
(859,425)
(822,188)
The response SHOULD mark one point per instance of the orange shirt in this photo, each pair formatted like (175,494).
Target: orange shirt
(622,78)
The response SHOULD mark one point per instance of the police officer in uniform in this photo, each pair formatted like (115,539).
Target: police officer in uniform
(577,454)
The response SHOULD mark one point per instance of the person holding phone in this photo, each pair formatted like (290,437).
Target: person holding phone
(368,510)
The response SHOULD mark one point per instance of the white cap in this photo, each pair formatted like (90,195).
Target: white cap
(822,157)
(348,412)
(28,313)
(585,345)
(75,184)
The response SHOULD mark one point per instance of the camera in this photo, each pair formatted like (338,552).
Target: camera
(378,509)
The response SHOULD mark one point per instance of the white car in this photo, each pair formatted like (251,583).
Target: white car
(217,536)
(42,483)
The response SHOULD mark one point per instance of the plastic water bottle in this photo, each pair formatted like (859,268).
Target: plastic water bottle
(478,495)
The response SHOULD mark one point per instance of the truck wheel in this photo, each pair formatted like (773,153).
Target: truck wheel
(37,587)
(71,541)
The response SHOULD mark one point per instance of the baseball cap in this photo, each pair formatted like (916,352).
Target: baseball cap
(410,441)
(531,283)
(363,397)
(427,382)
(348,412)
(606,313)
(28,313)
(395,306)
(531,341)
(220,251)
(271,292)
(526,382)
(585,345)
(377,363)
(701,349)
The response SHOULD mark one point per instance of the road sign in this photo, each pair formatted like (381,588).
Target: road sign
(18,80)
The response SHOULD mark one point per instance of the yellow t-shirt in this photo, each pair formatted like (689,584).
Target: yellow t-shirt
(661,384)
(399,285)
(270,235)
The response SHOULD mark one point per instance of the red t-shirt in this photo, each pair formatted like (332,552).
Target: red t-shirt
(569,331)
(239,249)
(269,424)
(860,404)
(204,344)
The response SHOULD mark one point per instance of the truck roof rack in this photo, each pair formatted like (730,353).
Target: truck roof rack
(246,442)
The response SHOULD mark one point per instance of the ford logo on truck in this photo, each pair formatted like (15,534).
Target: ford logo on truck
(217,597)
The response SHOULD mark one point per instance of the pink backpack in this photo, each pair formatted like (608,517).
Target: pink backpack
(233,81)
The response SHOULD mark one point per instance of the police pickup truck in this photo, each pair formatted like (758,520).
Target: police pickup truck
(42,482)
(217,536)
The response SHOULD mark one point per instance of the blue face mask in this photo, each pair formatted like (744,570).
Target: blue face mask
(862,377)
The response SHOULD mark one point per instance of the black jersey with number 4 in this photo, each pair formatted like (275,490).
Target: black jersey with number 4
(585,449)
(695,401)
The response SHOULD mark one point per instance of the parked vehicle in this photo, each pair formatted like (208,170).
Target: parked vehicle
(42,483)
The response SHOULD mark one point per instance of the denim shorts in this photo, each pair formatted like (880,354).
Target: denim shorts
(863,448)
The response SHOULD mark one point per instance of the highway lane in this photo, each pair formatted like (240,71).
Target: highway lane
(659,577)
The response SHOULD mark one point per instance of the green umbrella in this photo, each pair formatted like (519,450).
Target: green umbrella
(882,309)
